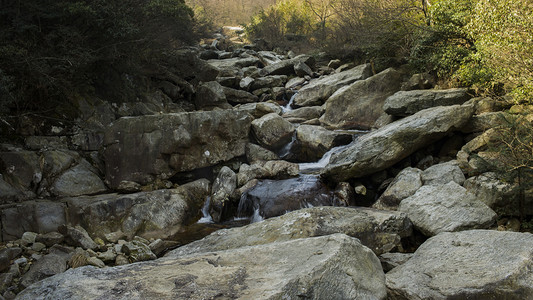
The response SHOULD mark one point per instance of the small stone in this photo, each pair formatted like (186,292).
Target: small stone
(21,261)
(91,253)
(107,256)
(114,237)
(121,260)
(99,241)
(50,238)
(36,256)
(94,261)
(28,238)
(38,246)
(138,251)
(142,240)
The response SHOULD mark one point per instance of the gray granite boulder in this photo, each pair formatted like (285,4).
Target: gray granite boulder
(474,264)
(272,131)
(443,173)
(405,184)
(390,144)
(440,208)
(319,90)
(360,104)
(332,267)
(163,145)
(379,230)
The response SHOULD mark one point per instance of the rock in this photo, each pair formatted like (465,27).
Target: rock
(159,246)
(231,66)
(256,153)
(404,185)
(163,145)
(77,237)
(9,194)
(28,238)
(258,110)
(188,65)
(157,214)
(107,257)
(407,103)
(319,90)
(223,187)
(485,121)
(379,230)
(474,264)
(210,95)
(304,113)
(443,173)
(129,187)
(82,179)
(501,196)
(390,261)
(272,131)
(286,67)
(246,83)
(473,158)
(50,238)
(268,57)
(48,265)
(301,69)
(314,141)
(93,261)
(277,169)
(390,144)
(335,267)
(441,208)
(6,279)
(38,247)
(271,198)
(121,260)
(239,96)
(420,81)
(360,104)
(269,82)
(294,82)
(39,217)
(19,170)
(137,251)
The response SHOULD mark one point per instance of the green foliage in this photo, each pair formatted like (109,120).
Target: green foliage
(503,30)
(288,17)
(445,47)
(50,50)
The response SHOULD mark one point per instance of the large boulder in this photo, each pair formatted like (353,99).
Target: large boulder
(303,114)
(239,96)
(333,267)
(390,144)
(82,179)
(268,82)
(404,185)
(503,197)
(475,264)
(376,229)
(319,90)
(34,216)
(405,103)
(231,66)
(360,104)
(21,171)
(314,141)
(210,95)
(443,173)
(163,145)
(441,208)
(273,169)
(157,214)
(272,131)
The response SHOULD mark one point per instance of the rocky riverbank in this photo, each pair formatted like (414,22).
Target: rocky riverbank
(408,206)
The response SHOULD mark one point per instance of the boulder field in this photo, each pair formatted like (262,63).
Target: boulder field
(266,176)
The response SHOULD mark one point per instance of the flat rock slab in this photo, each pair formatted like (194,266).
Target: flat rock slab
(330,267)
(450,207)
(390,144)
(378,230)
(474,264)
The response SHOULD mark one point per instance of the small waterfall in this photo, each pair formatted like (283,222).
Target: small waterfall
(256,217)
(206,217)
(288,107)
(314,166)
(286,150)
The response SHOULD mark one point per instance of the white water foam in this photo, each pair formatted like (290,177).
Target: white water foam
(206,217)
(323,161)
(288,107)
